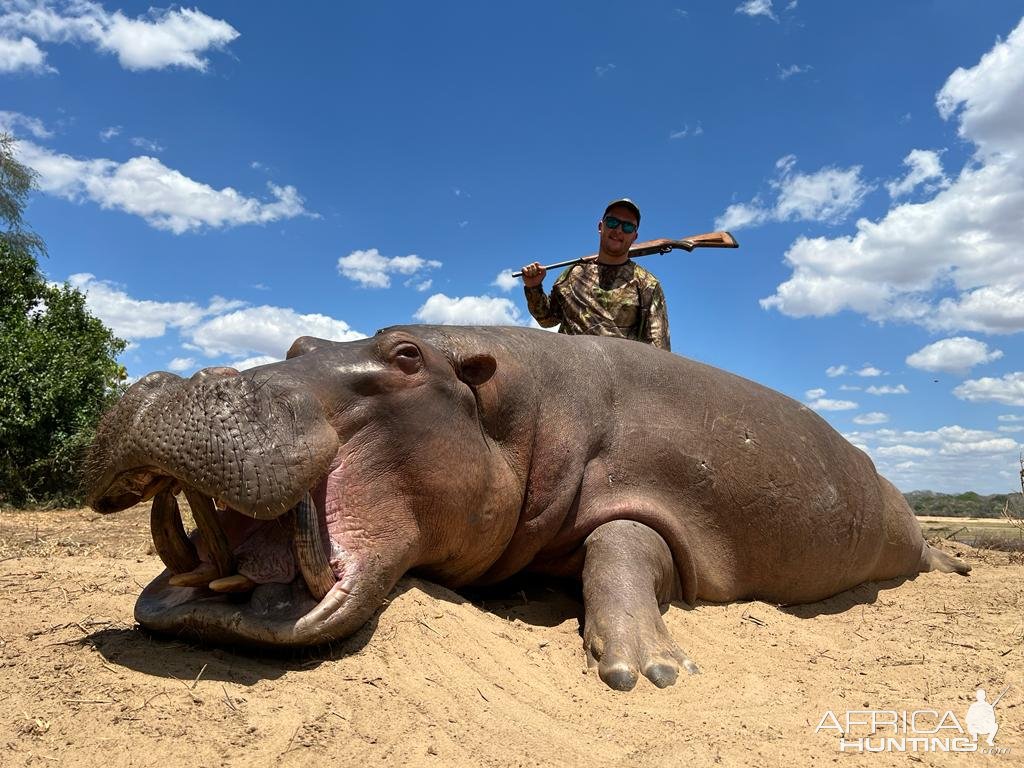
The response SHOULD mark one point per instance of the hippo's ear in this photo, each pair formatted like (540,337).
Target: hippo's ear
(304,345)
(475,369)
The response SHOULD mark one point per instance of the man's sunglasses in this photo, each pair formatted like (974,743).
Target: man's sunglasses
(627,226)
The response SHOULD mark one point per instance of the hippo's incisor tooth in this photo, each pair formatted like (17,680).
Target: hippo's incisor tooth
(210,529)
(199,576)
(309,552)
(169,538)
(236,583)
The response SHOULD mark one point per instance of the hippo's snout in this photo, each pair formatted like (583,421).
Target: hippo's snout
(254,443)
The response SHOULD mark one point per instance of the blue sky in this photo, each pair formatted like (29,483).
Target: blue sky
(224,177)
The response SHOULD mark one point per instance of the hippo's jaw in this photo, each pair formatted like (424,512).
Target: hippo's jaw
(292,581)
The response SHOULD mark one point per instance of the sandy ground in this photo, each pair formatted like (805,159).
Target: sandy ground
(495,679)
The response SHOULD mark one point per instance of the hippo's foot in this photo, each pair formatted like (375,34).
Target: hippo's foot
(628,572)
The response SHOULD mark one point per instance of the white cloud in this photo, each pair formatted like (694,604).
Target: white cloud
(371,270)
(601,71)
(468,310)
(901,452)
(180,364)
(850,388)
(697,131)
(1011,429)
(22,54)
(958,458)
(965,239)
(1008,390)
(874,417)
(923,165)
(164,197)
(170,38)
(835,370)
(505,281)
(825,404)
(147,144)
(899,389)
(793,69)
(11,121)
(956,355)
(983,447)
(869,371)
(756,8)
(131,318)
(814,394)
(265,331)
(828,195)
(1010,417)
(248,336)
(108,133)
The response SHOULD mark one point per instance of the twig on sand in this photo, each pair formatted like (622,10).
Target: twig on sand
(226,697)
(196,681)
(421,621)
(146,702)
(289,747)
(753,620)
(88,701)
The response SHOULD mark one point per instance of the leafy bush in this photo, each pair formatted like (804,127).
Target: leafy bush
(58,368)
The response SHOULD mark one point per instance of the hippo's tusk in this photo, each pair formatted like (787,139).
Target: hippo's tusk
(236,583)
(210,529)
(200,576)
(173,546)
(309,551)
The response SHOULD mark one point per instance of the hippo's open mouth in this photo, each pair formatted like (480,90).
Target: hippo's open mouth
(279,581)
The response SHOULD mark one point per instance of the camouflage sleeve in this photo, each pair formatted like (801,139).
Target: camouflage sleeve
(656,327)
(545,310)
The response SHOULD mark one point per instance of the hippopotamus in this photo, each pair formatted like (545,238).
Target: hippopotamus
(465,455)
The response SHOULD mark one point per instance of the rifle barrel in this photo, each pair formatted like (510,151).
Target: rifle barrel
(710,240)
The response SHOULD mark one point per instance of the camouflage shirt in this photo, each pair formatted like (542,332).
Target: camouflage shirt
(623,300)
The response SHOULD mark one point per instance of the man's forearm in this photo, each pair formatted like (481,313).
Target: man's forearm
(541,307)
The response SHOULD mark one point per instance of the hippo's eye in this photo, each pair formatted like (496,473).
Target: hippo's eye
(407,358)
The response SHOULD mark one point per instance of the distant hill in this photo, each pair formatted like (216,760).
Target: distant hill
(968,504)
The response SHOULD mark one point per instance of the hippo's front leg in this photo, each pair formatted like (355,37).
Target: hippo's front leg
(628,572)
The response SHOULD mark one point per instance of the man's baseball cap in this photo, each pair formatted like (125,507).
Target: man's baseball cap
(627,203)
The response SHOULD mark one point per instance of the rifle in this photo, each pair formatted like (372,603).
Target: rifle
(709,240)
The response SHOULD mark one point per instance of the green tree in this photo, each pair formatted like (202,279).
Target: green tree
(58,367)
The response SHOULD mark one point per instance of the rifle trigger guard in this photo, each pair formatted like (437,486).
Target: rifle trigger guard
(665,249)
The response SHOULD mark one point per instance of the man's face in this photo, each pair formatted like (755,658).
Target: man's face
(615,242)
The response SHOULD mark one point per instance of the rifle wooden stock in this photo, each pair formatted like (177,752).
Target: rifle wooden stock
(707,240)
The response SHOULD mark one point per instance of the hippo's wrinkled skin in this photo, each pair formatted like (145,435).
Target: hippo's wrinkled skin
(469,454)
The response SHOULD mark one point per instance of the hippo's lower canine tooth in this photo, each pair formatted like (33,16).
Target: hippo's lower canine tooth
(210,529)
(197,577)
(173,546)
(309,551)
(236,583)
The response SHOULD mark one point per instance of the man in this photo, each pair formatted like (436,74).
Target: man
(611,296)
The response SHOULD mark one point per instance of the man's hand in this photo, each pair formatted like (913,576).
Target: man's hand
(533,275)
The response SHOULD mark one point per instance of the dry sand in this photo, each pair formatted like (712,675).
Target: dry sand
(495,679)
